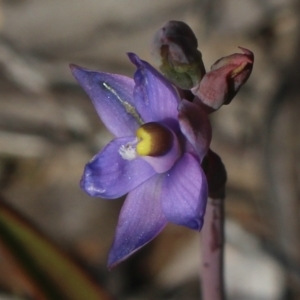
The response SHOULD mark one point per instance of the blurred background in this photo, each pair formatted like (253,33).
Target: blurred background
(49,130)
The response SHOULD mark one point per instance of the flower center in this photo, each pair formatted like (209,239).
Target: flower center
(154,139)
(156,144)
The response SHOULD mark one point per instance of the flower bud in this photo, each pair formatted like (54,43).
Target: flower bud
(227,75)
(175,47)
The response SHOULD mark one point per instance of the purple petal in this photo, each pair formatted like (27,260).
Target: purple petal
(110,176)
(195,125)
(112,96)
(184,193)
(156,99)
(141,219)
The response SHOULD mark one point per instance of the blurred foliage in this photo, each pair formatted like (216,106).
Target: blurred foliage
(36,267)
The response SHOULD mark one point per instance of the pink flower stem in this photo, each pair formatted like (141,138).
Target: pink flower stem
(212,250)
(213,229)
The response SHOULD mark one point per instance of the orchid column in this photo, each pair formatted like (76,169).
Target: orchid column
(160,155)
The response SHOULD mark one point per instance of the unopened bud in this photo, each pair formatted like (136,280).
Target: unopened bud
(175,47)
(227,75)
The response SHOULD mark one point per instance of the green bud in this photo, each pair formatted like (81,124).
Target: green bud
(175,47)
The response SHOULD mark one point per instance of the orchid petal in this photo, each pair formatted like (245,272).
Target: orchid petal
(184,193)
(110,176)
(141,219)
(195,125)
(112,97)
(156,98)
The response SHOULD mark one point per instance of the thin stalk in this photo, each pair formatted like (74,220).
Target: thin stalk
(213,251)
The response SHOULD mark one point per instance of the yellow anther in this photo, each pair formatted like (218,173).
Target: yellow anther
(143,148)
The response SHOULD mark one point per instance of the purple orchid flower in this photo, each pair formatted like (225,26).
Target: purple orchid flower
(160,142)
